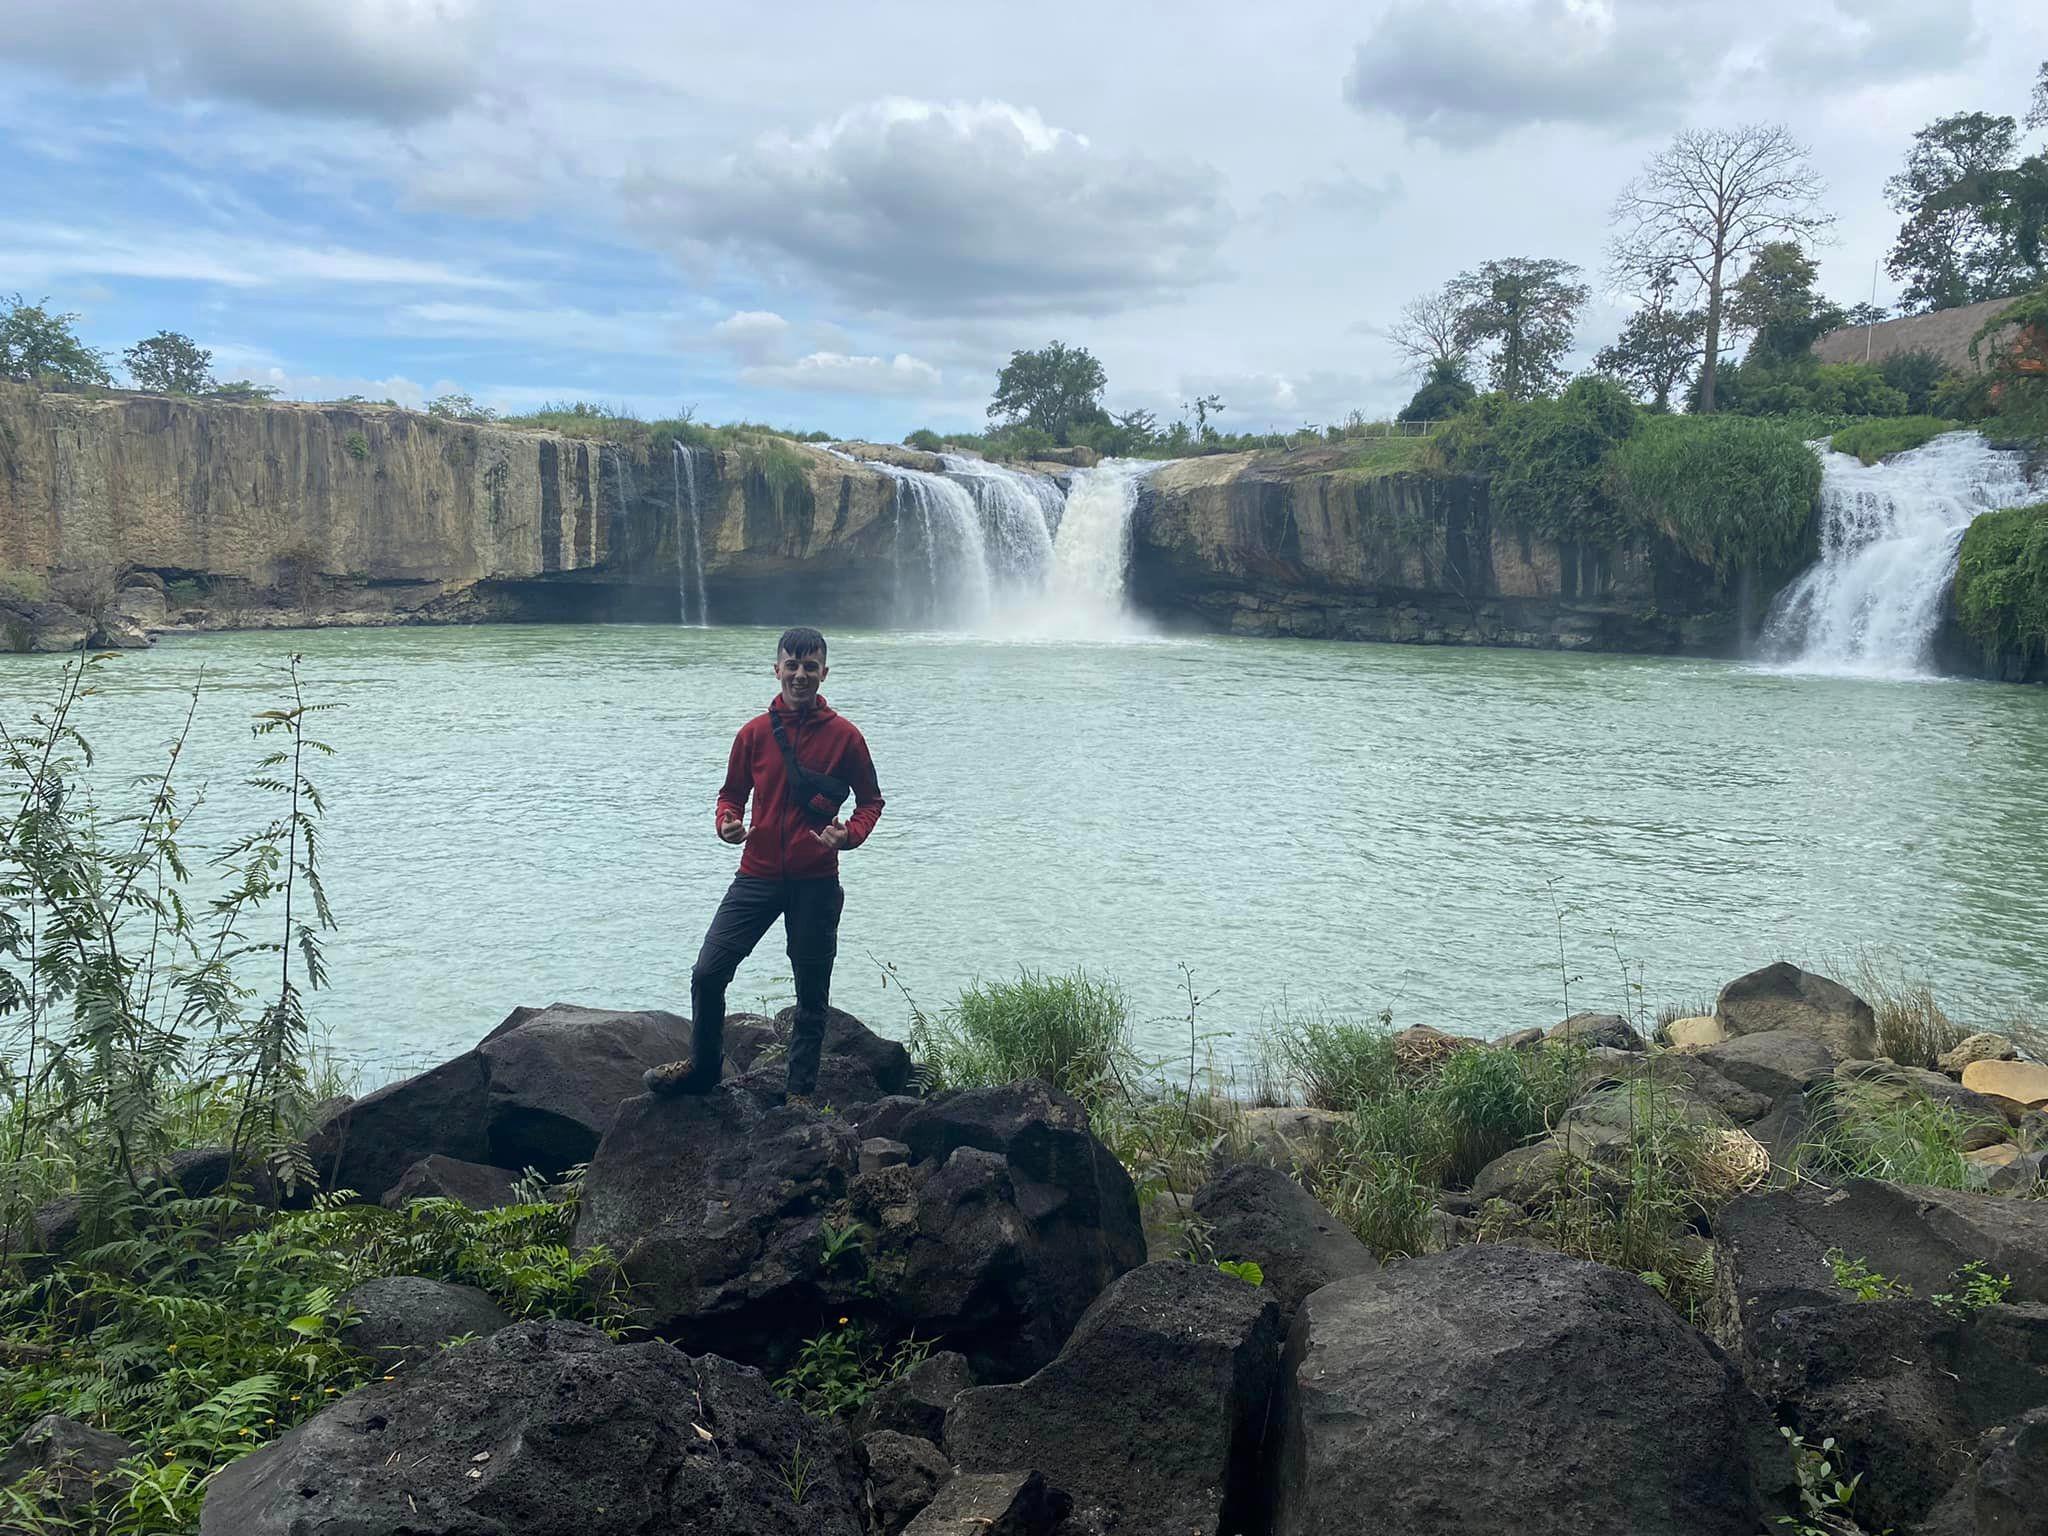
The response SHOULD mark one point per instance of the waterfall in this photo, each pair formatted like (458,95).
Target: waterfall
(956,588)
(1870,605)
(1019,514)
(1092,555)
(684,493)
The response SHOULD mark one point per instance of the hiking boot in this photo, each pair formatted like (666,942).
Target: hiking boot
(674,1077)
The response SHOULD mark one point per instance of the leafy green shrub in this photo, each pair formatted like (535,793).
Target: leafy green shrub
(2001,586)
(837,1371)
(1880,439)
(1443,394)
(1856,389)
(1734,493)
(926,439)
(356,446)
(1918,376)
(1071,1031)
(1963,397)
(1492,1101)
(1546,458)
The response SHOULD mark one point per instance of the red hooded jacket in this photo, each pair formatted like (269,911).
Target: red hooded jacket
(781,844)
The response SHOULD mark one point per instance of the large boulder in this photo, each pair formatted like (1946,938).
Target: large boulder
(367,1144)
(1180,1354)
(1782,996)
(1773,1063)
(857,1065)
(1610,1030)
(901,1473)
(1494,1389)
(1021,1219)
(1901,1381)
(557,1076)
(1983,1046)
(2023,1083)
(402,1321)
(549,1426)
(479,1186)
(917,1402)
(715,1206)
(2004,1492)
(1886,1082)
(1258,1213)
(58,1464)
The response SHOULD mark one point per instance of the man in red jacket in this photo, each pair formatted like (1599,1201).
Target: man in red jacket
(799,761)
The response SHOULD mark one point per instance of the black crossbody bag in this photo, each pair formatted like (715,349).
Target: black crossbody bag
(817,795)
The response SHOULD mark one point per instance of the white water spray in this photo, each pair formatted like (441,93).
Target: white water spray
(956,588)
(684,493)
(1092,556)
(1870,605)
(1019,513)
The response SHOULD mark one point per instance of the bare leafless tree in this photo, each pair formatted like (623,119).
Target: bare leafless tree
(1428,332)
(1703,204)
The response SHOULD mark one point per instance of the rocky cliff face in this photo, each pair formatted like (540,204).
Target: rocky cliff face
(1295,545)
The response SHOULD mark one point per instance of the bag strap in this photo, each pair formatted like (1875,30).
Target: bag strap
(791,769)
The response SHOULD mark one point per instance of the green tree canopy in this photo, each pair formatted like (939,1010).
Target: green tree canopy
(1776,303)
(170,364)
(1525,309)
(1053,389)
(39,347)
(1443,394)
(1952,249)
(1659,347)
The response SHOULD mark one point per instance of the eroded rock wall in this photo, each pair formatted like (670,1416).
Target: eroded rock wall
(1295,545)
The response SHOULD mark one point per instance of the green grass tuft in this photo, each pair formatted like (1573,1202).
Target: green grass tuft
(1884,436)
(1733,492)
(2001,589)
(1072,1031)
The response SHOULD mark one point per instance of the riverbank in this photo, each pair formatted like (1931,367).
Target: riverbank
(952,1293)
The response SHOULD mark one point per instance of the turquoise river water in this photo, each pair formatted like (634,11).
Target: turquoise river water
(523,814)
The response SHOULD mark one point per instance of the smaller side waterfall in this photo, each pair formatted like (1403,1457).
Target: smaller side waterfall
(690,549)
(1889,531)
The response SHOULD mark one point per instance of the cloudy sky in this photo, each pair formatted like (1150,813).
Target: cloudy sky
(847,216)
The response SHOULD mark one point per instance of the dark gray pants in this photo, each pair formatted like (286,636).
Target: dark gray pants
(809,910)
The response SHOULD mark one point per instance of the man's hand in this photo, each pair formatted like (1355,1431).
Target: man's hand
(733,830)
(833,836)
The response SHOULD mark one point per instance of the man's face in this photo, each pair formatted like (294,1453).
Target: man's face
(801,677)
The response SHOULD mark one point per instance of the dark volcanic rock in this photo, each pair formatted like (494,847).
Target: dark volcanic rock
(1494,1389)
(401,1321)
(476,1185)
(557,1076)
(993,1504)
(1901,1384)
(1259,1213)
(547,1427)
(368,1144)
(902,1474)
(1782,996)
(857,1066)
(1597,1029)
(917,1402)
(57,1464)
(1153,1411)
(2005,1490)
(714,1204)
(1773,1063)
(1007,1291)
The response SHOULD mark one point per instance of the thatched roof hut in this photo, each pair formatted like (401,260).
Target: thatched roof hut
(1946,333)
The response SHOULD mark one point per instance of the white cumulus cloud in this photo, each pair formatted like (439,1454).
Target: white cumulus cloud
(939,208)
(848,374)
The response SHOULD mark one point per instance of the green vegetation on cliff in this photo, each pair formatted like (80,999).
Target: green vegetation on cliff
(2002,582)
(1735,493)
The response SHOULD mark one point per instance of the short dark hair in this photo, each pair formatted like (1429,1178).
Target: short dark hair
(800,642)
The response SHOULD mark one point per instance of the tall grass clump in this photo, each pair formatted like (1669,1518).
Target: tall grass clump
(1884,436)
(1912,1028)
(1335,1063)
(1859,1133)
(1072,1031)
(1734,493)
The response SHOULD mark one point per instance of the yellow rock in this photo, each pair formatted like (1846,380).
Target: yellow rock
(1702,1029)
(1993,1157)
(2024,1082)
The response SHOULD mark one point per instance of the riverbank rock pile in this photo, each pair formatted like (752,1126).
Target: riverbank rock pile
(1071,1388)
